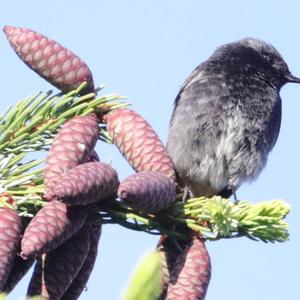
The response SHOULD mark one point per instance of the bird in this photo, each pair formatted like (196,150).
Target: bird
(226,117)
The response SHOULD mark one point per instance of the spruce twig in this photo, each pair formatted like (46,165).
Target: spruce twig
(31,126)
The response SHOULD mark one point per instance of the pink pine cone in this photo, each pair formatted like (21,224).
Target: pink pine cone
(50,60)
(19,269)
(190,276)
(148,191)
(138,142)
(79,283)
(56,270)
(168,251)
(55,223)
(10,235)
(87,183)
(35,284)
(19,266)
(94,157)
(73,145)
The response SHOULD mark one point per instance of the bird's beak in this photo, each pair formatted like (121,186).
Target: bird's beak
(293,79)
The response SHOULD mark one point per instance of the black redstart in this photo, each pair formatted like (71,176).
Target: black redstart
(227,116)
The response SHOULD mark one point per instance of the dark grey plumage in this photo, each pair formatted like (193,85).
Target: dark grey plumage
(227,117)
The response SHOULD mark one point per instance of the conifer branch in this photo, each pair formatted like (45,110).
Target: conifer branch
(31,126)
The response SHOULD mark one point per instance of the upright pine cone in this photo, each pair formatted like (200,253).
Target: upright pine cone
(86,183)
(190,275)
(55,223)
(147,191)
(56,270)
(10,235)
(73,145)
(79,283)
(50,60)
(138,142)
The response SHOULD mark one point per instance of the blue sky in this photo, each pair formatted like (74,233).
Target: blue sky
(145,49)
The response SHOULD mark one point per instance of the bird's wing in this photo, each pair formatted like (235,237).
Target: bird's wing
(204,99)
(195,132)
(274,124)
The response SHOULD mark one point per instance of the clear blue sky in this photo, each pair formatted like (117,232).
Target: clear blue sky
(145,50)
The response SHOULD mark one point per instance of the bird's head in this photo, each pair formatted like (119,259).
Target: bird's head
(254,55)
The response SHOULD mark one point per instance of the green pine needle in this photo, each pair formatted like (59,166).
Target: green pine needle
(32,124)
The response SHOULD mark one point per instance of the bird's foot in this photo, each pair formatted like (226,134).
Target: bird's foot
(186,194)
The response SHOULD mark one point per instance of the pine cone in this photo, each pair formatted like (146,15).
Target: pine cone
(147,191)
(35,284)
(50,60)
(190,275)
(10,235)
(168,251)
(73,145)
(79,283)
(86,183)
(56,270)
(94,157)
(19,265)
(138,142)
(51,226)
(19,269)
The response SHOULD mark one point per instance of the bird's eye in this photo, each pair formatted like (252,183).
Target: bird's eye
(280,66)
